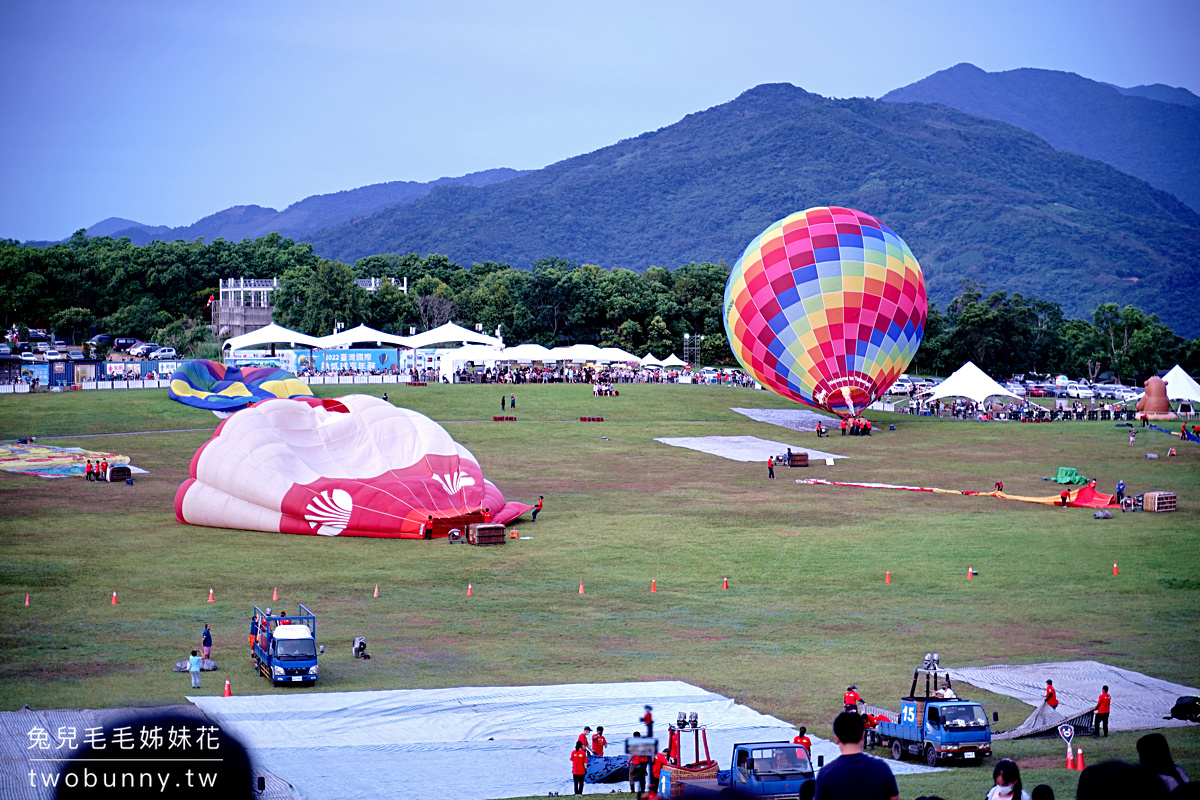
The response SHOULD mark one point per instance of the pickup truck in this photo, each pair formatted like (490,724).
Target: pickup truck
(938,727)
(768,770)
(285,647)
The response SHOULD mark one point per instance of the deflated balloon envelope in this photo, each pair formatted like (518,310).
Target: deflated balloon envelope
(351,466)
(223,390)
(826,307)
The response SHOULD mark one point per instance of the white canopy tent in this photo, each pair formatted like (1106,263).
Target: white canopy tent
(617,355)
(649,360)
(1181,386)
(451,333)
(673,361)
(364,334)
(579,353)
(477,353)
(527,352)
(971,382)
(272,334)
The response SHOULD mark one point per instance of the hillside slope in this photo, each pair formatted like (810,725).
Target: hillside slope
(1154,140)
(975,199)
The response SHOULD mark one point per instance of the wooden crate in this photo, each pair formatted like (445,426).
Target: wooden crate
(799,460)
(482,534)
(1158,502)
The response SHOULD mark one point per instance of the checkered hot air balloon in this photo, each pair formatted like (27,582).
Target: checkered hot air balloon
(826,307)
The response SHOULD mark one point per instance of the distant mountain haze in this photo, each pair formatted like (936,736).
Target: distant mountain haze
(976,199)
(299,219)
(1151,132)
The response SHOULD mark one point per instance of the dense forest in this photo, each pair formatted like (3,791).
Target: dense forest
(160,291)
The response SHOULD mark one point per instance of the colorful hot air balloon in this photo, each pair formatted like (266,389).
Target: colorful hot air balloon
(223,390)
(351,466)
(826,307)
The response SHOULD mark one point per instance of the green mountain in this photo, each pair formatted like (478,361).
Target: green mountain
(1152,132)
(976,199)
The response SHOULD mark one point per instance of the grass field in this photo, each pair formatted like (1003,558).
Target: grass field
(807,611)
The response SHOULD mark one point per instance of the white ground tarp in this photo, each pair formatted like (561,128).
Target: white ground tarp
(1181,386)
(743,448)
(1139,702)
(797,419)
(469,743)
(970,382)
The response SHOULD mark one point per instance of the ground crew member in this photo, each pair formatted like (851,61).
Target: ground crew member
(866,427)
(648,721)
(599,742)
(803,740)
(538,507)
(820,431)
(1065,496)
(1051,695)
(487,517)
(583,737)
(999,486)
(87,471)
(843,426)
(851,698)
(770,467)
(103,476)
(637,771)
(656,769)
(1120,491)
(579,765)
(1102,705)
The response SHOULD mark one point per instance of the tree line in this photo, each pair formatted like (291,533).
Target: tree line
(160,291)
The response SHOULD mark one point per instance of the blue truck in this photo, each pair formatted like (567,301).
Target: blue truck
(939,727)
(284,648)
(763,770)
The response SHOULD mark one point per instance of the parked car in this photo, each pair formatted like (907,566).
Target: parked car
(1036,390)
(75,355)
(162,352)
(55,355)
(28,357)
(143,348)
(1126,393)
(903,385)
(5,350)
(1079,392)
(41,347)
(101,340)
(124,343)
(1015,388)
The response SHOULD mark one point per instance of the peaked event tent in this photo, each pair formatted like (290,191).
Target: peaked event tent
(673,361)
(1181,386)
(451,333)
(273,334)
(649,360)
(970,382)
(527,352)
(364,334)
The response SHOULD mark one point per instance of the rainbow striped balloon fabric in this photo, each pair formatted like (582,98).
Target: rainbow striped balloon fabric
(223,390)
(826,307)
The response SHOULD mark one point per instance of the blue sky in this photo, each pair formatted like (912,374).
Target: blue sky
(164,112)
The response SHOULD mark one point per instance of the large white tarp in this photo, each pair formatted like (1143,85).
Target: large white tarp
(470,743)
(743,448)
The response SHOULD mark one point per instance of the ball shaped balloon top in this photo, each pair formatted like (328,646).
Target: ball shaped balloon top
(826,307)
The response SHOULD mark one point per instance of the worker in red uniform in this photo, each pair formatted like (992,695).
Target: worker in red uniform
(1065,496)
(103,476)
(583,737)
(999,486)
(660,759)
(851,698)
(843,426)
(579,765)
(487,515)
(1051,695)
(1102,705)
(637,771)
(648,721)
(538,507)
(599,742)
(803,740)
(87,471)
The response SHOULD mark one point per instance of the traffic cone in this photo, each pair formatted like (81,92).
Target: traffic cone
(1115,569)
(470,590)
(211,599)
(1070,758)
(1079,765)
(514,535)
(970,573)
(376,595)
(275,594)
(888,577)
(114,600)
(581,587)
(228,690)
(725,584)
(653,585)
(27,598)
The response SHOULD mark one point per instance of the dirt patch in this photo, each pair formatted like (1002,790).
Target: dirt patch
(1041,762)
(61,671)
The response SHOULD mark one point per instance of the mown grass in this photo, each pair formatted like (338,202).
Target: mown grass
(807,611)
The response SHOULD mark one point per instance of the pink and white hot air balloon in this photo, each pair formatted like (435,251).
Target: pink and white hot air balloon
(351,466)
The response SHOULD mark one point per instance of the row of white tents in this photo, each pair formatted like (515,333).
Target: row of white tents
(477,348)
(971,382)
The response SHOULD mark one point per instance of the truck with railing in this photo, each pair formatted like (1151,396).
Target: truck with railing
(937,727)
(284,648)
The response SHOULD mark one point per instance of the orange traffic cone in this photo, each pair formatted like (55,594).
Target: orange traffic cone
(275,594)
(581,587)
(1070,758)
(1079,765)
(376,595)
(228,690)
(725,584)
(514,535)
(470,591)
(888,577)
(1115,569)
(970,573)
(211,599)
(653,585)
(114,600)
(27,598)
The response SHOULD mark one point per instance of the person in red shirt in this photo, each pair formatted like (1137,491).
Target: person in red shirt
(656,769)
(637,771)
(648,721)
(803,740)
(1102,705)
(1051,695)
(87,471)
(487,515)
(1064,496)
(579,765)
(583,737)
(599,742)
(843,426)
(538,507)
(771,467)
(851,699)
(103,476)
